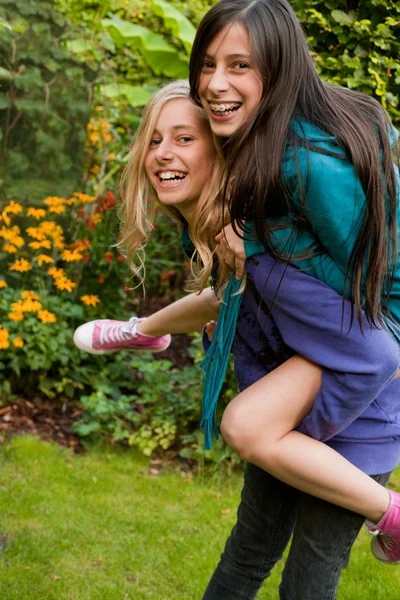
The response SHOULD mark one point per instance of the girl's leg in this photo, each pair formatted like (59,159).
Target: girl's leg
(259,425)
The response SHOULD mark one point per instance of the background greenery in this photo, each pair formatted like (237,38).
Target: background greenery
(74,75)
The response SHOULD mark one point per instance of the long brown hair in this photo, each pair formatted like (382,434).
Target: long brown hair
(254,154)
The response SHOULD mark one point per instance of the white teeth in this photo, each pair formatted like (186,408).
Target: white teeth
(171,175)
(223,107)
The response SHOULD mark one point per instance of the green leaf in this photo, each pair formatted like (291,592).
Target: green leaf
(159,54)
(343,18)
(177,23)
(6,75)
(136,95)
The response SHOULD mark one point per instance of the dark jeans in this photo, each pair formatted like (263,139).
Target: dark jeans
(269,513)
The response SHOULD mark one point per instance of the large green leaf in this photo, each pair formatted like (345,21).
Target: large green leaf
(177,23)
(136,95)
(343,18)
(6,75)
(159,54)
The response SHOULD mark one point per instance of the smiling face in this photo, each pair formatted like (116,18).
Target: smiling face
(181,154)
(229,87)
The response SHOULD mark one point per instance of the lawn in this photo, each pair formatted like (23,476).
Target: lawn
(100,526)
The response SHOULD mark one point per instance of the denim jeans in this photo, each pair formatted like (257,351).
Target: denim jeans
(271,512)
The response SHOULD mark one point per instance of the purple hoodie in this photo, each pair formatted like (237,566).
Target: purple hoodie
(355,412)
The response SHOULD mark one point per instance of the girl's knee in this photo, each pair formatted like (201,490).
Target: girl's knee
(239,432)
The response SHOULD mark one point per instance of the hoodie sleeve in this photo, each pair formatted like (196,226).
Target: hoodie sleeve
(315,322)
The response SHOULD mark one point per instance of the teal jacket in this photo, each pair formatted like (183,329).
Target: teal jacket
(334,207)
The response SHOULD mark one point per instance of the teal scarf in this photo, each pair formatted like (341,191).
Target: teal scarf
(216,361)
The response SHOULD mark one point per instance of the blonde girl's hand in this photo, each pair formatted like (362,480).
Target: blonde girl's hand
(232,249)
(210,328)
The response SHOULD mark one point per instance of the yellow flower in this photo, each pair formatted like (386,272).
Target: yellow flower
(4,335)
(3,284)
(17,240)
(54,272)
(84,198)
(16,316)
(71,256)
(21,265)
(6,219)
(18,342)
(42,244)
(94,138)
(13,207)
(36,233)
(36,213)
(9,248)
(44,258)
(46,317)
(90,300)
(31,306)
(17,306)
(63,283)
(54,201)
(29,295)
(57,209)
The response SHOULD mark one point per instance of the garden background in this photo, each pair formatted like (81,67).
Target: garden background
(74,76)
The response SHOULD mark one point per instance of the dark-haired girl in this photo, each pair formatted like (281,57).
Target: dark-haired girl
(304,156)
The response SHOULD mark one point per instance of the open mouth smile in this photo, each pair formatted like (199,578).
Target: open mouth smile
(224,110)
(170,178)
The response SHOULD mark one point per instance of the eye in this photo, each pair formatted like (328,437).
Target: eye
(206,65)
(240,66)
(154,143)
(185,139)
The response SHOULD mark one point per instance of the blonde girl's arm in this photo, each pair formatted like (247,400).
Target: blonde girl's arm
(186,315)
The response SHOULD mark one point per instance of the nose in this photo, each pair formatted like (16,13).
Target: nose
(218,81)
(164,152)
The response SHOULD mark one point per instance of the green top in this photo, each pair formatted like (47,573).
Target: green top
(334,207)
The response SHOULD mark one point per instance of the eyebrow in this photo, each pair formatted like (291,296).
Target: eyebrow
(176,127)
(230,56)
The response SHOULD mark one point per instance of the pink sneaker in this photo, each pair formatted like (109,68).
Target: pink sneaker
(105,335)
(386,544)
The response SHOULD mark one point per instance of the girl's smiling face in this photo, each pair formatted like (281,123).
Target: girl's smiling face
(229,87)
(181,154)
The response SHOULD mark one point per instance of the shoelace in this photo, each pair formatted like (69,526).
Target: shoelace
(387,541)
(118,333)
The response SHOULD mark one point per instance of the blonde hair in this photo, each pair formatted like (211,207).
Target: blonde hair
(139,199)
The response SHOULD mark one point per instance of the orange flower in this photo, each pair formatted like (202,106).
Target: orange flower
(36,213)
(3,284)
(71,255)
(16,316)
(63,283)
(102,278)
(9,248)
(18,342)
(4,335)
(108,257)
(44,258)
(46,317)
(13,207)
(43,244)
(29,295)
(90,300)
(21,265)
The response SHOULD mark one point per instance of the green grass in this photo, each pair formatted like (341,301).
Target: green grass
(98,526)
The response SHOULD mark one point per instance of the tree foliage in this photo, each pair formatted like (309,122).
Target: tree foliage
(45,98)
